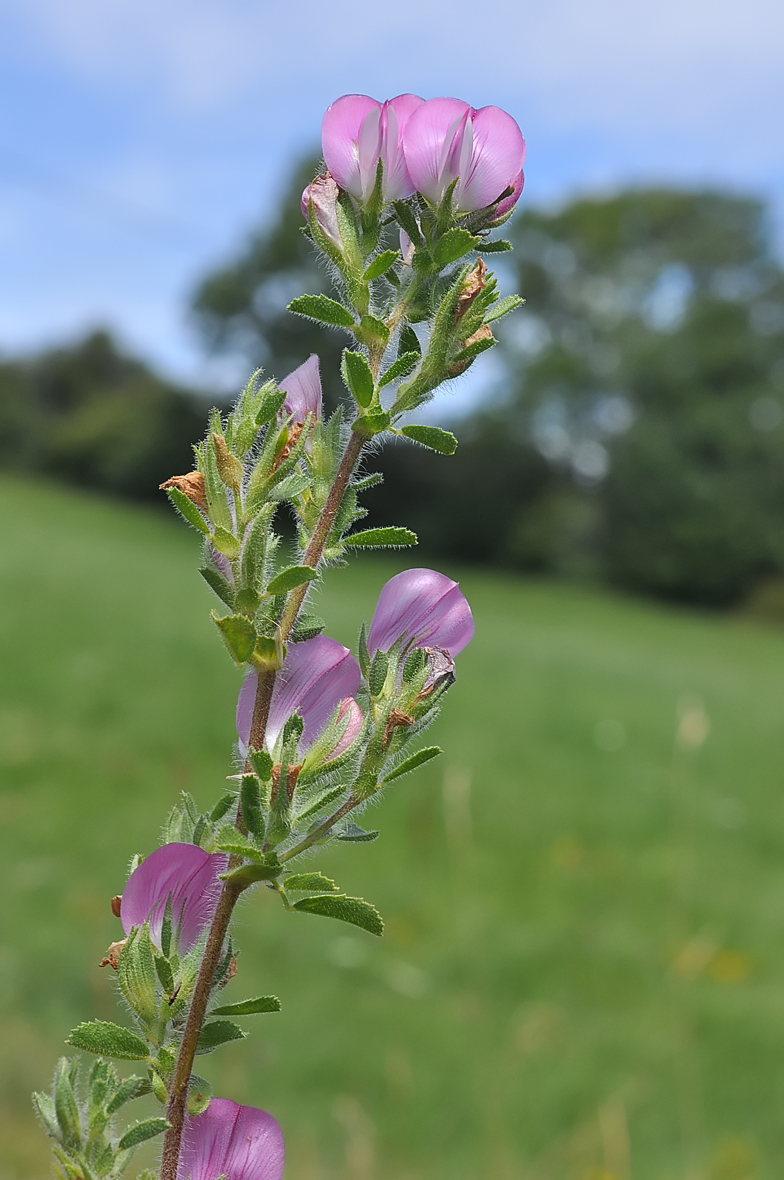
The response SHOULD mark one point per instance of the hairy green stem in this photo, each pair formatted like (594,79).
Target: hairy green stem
(176,1109)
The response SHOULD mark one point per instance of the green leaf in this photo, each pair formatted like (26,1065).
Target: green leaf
(186,507)
(249,874)
(252,812)
(383,536)
(199,1095)
(503,307)
(290,487)
(222,806)
(289,578)
(400,368)
(109,1040)
(141,1132)
(262,763)
(65,1105)
(499,247)
(418,759)
(127,1089)
(356,374)
(229,839)
(226,543)
(307,626)
(353,910)
(434,437)
(239,635)
(219,584)
(323,309)
(409,341)
(372,331)
(270,404)
(381,263)
(453,245)
(218,1032)
(249,1007)
(309,883)
(46,1112)
(352,833)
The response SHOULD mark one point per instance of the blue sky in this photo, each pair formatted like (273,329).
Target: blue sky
(140,140)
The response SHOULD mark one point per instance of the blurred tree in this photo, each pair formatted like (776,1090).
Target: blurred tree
(93,416)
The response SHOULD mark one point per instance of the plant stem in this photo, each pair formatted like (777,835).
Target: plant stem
(175,1111)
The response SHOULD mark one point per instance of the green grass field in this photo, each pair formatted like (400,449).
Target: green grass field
(583,971)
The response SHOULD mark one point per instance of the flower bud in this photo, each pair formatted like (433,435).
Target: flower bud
(321,195)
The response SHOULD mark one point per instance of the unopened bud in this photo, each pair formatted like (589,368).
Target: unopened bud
(229,466)
(192,485)
(322,195)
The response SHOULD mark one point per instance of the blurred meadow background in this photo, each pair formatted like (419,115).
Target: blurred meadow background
(582,976)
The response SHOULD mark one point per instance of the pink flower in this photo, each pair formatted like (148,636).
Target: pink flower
(322,193)
(303,390)
(446,138)
(238,1142)
(357,132)
(424,609)
(316,677)
(186,874)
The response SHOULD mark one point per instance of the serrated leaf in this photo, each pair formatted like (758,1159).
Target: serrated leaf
(418,759)
(358,378)
(108,1040)
(499,247)
(239,635)
(186,507)
(262,763)
(400,368)
(290,578)
(307,627)
(309,882)
(453,245)
(218,1032)
(372,331)
(352,833)
(249,1007)
(379,537)
(323,309)
(353,910)
(434,437)
(381,263)
(503,307)
(141,1132)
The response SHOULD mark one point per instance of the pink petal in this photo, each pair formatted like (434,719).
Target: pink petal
(428,134)
(355,722)
(509,202)
(240,1142)
(499,151)
(340,134)
(422,607)
(396,113)
(188,875)
(303,390)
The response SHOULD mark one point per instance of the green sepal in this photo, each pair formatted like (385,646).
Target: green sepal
(186,507)
(433,437)
(219,585)
(164,971)
(239,635)
(290,578)
(309,883)
(408,221)
(472,351)
(417,759)
(380,264)
(353,910)
(249,1007)
(363,655)
(377,675)
(218,1032)
(503,307)
(66,1106)
(136,973)
(270,404)
(453,245)
(226,543)
(372,331)
(379,537)
(109,1040)
(252,813)
(45,1110)
(141,1132)
(357,376)
(400,368)
(322,309)
(352,833)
